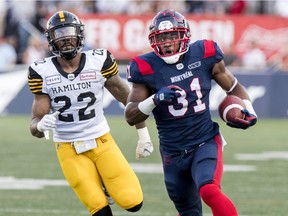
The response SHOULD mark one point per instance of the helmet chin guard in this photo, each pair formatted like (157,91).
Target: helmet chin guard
(173,58)
(169,35)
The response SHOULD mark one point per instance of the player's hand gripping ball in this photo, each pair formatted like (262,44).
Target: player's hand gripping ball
(231,109)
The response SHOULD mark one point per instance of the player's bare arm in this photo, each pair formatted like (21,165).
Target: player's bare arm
(227,81)
(132,113)
(40,107)
(136,117)
(120,90)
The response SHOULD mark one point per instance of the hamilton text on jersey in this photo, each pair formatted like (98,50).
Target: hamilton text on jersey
(71,87)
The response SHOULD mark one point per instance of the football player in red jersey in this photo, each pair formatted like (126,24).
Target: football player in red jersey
(68,93)
(173,82)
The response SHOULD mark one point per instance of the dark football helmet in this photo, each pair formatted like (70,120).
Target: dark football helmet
(169,35)
(64,32)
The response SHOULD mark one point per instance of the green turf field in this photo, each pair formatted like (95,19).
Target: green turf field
(31,182)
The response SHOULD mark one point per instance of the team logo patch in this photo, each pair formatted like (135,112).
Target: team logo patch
(179,66)
(88,76)
(71,76)
(194,65)
(53,79)
(165,25)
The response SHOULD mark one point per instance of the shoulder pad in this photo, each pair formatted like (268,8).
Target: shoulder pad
(209,48)
(110,66)
(35,81)
(143,66)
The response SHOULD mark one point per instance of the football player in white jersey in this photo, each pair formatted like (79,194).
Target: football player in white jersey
(68,95)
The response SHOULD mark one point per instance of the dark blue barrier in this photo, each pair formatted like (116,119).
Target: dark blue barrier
(267,91)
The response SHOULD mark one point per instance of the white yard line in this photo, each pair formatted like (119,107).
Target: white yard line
(157,168)
(12,183)
(263,156)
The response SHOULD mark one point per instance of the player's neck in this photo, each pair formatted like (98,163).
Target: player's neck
(69,66)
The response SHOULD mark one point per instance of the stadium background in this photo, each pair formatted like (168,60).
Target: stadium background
(255,170)
(124,32)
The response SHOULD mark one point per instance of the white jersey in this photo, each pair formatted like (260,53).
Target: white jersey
(78,96)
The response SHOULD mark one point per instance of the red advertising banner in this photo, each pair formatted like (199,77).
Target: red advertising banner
(126,36)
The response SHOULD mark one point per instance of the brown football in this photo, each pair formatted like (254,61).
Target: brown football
(230,108)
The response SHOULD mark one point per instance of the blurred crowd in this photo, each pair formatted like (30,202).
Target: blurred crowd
(22,23)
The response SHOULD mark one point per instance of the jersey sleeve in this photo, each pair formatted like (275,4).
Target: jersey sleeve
(212,52)
(110,67)
(219,53)
(138,70)
(35,81)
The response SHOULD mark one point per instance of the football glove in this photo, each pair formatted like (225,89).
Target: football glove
(248,121)
(48,122)
(144,149)
(167,95)
(144,146)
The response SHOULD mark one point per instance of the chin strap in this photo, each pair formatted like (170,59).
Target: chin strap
(69,55)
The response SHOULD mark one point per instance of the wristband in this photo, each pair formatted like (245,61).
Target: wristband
(143,134)
(249,106)
(233,86)
(147,105)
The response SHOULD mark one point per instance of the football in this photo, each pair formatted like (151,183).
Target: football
(230,108)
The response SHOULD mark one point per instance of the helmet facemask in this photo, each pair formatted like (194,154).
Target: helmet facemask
(169,35)
(169,44)
(65,39)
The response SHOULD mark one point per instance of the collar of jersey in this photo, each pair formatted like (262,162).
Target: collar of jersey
(76,72)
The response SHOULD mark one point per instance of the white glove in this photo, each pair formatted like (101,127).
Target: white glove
(48,122)
(144,145)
